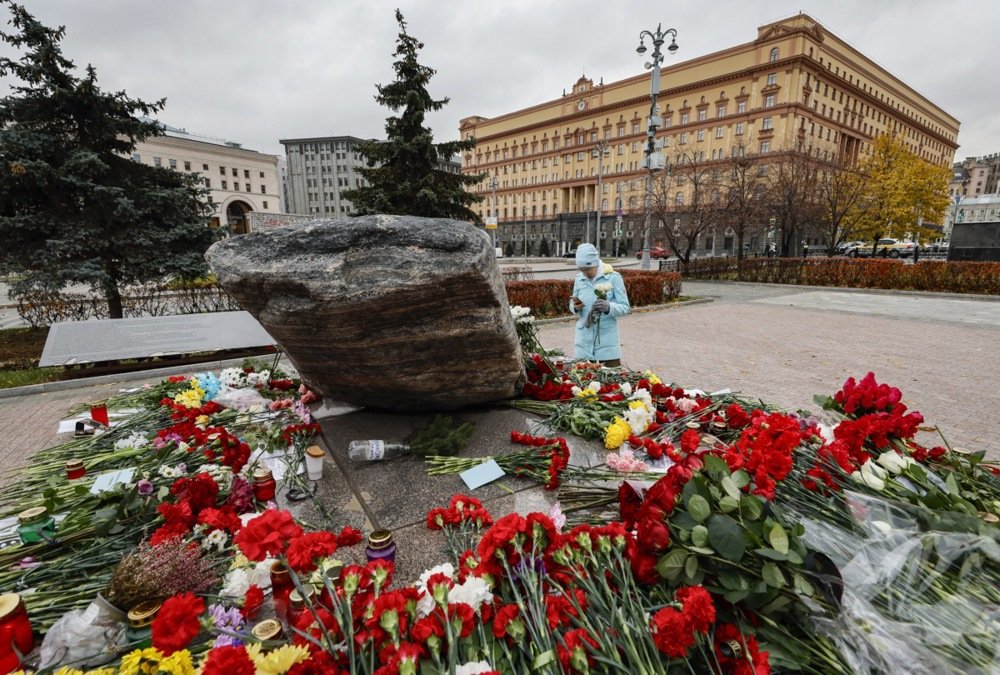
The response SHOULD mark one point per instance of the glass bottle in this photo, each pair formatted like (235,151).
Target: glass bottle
(374,450)
(381,546)
(16,629)
(281,586)
(75,469)
(36,525)
(140,624)
(263,485)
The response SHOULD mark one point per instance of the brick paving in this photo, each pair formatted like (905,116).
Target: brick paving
(782,354)
(785,355)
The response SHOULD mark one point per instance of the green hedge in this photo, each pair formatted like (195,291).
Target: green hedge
(949,277)
(550,297)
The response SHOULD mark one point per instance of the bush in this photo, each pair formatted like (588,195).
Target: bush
(550,297)
(981,278)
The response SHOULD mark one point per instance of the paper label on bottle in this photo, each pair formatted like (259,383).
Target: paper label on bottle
(376,450)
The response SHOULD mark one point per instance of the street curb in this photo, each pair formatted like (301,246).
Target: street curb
(853,289)
(65,385)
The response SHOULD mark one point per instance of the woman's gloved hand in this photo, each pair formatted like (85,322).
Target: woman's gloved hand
(601,306)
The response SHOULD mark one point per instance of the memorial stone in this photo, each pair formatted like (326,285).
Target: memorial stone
(392,312)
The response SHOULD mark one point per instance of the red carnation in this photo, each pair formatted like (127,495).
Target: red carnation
(252,602)
(267,534)
(177,622)
(303,551)
(697,606)
(348,536)
(228,661)
(672,633)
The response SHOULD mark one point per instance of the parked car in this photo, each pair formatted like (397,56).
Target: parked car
(935,247)
(886,248)
(844,247)
(655,252)
(570,254)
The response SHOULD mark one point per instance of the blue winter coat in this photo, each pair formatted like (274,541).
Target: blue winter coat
(600,340)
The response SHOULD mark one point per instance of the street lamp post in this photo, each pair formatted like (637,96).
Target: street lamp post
(653,160)
(601,147)
(496,221)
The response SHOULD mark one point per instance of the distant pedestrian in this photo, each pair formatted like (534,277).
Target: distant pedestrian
(600,299)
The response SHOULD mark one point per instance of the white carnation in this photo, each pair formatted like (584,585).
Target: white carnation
(473,668)
(236,584)
(474,592)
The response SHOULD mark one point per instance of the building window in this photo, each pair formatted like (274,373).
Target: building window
(769,101)
(701,134)
(187,166)
(702,115)
(208,183)
(684,118)
(679,199)
(225,185)
(719,131)
(720,111)
(263,190)
(766,124)
(248,187)
(739,128)
(741,107)
(204,167)
(635,127)
(774,55)
(246,173)
(772,78)
(765,147)
(222,171)
(265,204)
(683,139)
(173,164)
(235,172)
(157,161)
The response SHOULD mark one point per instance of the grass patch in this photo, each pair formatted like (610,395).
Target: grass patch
(24,377)
(21,347)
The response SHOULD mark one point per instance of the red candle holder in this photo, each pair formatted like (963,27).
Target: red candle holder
(99,413)
(15,631)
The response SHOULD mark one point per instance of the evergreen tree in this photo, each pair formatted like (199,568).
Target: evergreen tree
(74,207)
(404,173)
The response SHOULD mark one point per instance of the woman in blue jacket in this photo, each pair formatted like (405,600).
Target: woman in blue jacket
(599,298)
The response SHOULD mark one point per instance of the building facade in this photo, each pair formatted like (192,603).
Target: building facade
(975,233)
(320,169)
(796,87)
(239,180)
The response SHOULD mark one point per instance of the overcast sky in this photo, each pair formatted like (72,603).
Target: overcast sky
(255,71)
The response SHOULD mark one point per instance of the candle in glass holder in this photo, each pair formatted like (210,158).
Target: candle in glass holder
(314,462)
(75,469)
(381,546)
(99,412)
(15,631)
(263,485)
(281,586)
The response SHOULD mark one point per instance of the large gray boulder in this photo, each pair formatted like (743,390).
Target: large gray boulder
(394,312)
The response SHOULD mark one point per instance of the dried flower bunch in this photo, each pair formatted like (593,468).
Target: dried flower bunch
(158,572)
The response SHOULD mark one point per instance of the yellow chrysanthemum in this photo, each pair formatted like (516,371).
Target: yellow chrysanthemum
(587,394)
(178,663)
(202,420)
(651,376)
(276,661)
(74,671)
(638,403)
(141,662)
(616,433)
(190,398)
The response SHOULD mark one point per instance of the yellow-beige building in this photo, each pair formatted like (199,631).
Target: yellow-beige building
(797,86)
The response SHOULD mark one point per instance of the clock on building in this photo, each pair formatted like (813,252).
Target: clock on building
(582,104)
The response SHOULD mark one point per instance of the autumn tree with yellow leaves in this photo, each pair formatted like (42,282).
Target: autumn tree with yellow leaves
(901,191)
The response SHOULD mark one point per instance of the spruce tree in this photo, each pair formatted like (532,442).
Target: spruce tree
(74,207)
(404,174)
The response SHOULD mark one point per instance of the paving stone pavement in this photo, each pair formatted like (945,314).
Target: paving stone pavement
(747,339)
(756,339)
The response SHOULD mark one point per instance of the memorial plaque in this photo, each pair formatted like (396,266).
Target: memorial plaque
(72,342)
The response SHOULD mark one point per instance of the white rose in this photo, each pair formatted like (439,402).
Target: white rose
(626,388)
(594,386)
(473,668)
(892,461)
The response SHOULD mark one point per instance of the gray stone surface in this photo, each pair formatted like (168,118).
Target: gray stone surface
(70,342)
(392,312)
